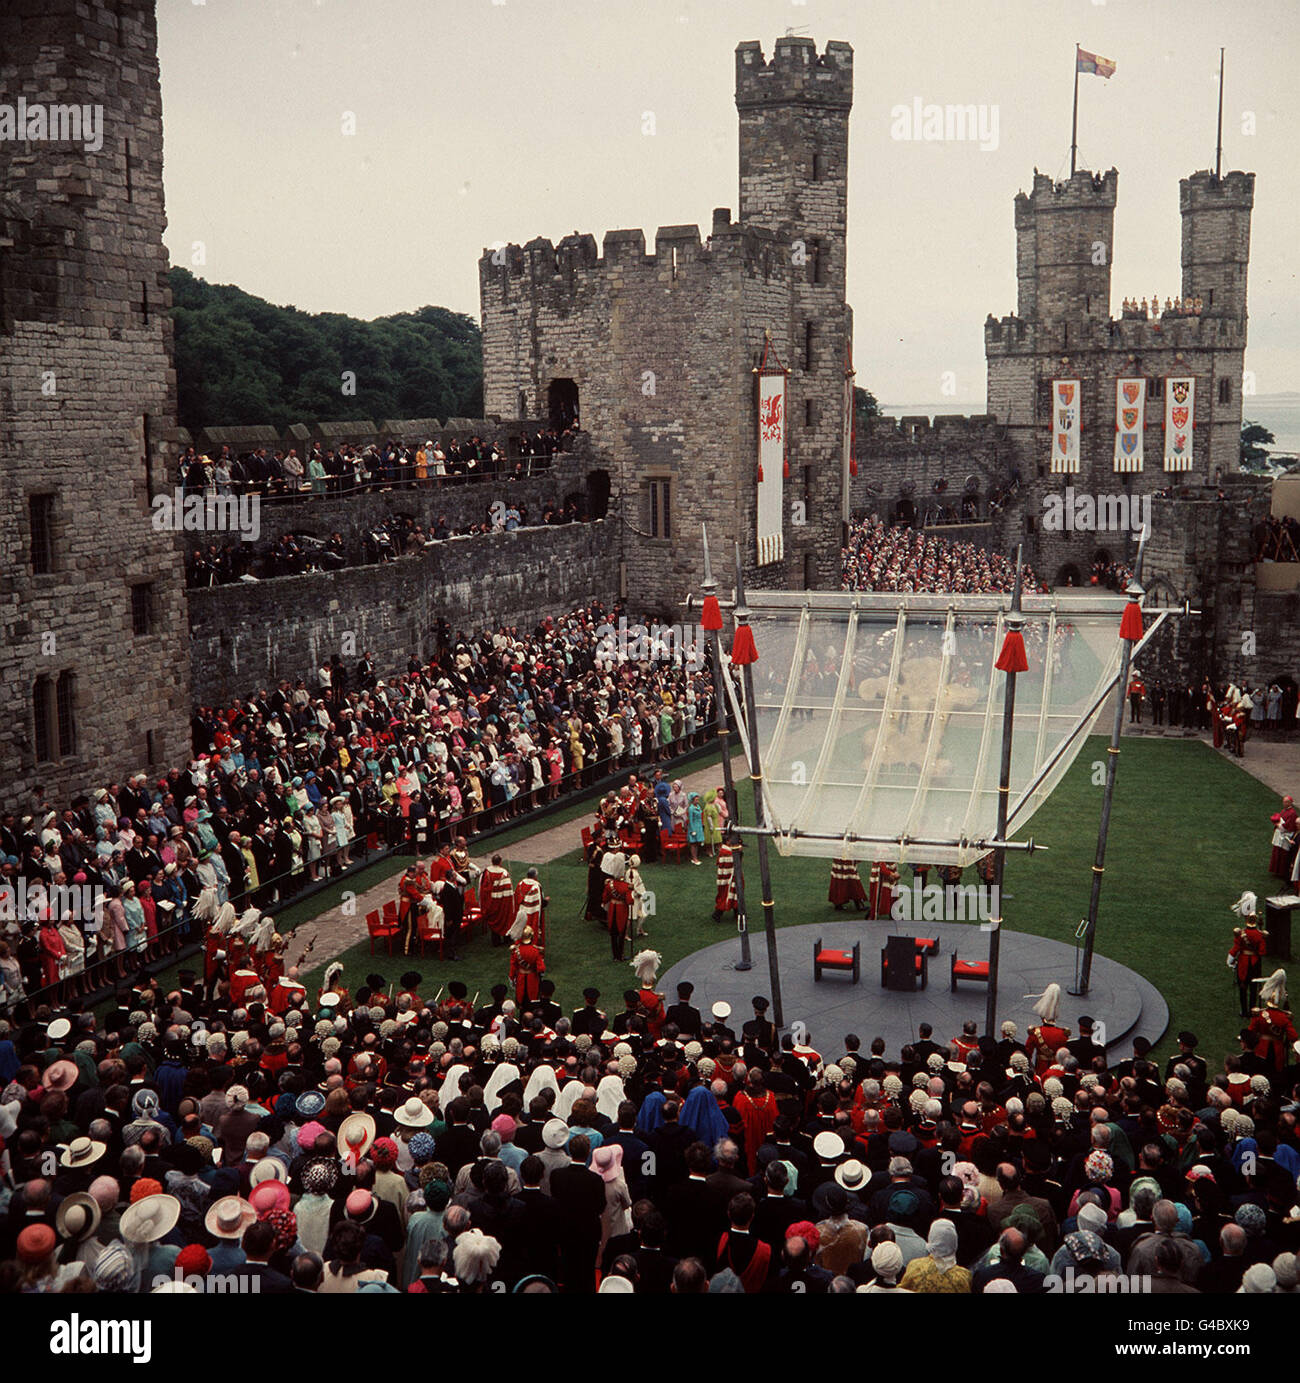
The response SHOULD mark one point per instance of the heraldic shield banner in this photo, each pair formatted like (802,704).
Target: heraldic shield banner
(1065,426)
(1130,423)
(771,466)
(1180,418)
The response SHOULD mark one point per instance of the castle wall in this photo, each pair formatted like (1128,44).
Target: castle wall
(247,636)
(87,406)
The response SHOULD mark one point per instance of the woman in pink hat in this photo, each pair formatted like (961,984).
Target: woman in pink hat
(617,1218)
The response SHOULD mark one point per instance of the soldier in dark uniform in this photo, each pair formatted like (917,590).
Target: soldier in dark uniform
(759,1035)
(589,1018)
(684,1017)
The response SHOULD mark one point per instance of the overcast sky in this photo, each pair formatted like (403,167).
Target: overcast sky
(478,123)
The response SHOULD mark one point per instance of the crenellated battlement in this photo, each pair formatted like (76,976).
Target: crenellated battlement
(575,260)
(1203,191)
(921,430)
(797,74)
(1084,191)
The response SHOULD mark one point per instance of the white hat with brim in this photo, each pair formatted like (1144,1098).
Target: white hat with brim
(828,1145)
(414,1114)
(150,1218)
(82,1152)
(227,1218)
(721,1009)
(267,1169)
(58,1030)
(851,1175)
(356,1133)
(555,1134)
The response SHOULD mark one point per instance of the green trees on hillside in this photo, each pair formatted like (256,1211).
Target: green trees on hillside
(241,360)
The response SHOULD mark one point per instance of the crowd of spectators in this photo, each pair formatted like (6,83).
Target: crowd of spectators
(384,1142)
(899,558)
(350,469)
(285,786)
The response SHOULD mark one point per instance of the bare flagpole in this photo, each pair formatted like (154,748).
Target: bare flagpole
(1074,121)
(709,587)
(1218,148)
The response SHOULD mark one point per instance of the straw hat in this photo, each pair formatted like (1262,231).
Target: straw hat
(267,1169)
(82,1152)
(555,1134)
(77,1217)
(60,1075)
(227,1218)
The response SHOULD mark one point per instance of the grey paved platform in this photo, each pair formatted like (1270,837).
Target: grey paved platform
(1119,997)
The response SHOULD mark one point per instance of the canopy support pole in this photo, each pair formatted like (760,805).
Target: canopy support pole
(709,587)
(1014,623)
(1135,592)
(741,614)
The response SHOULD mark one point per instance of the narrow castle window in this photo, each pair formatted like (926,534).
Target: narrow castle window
(144,301)
(674,261)
(65,701)
(819,166)
(142,602)
(1156,387)
(41,689)
(130,196)
(40,517)
(809,413)
(818,263)
(809,339)
(1225,390)
(660,501)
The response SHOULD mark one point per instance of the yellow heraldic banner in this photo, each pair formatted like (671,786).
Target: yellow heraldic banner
(1066,407)
(1180,418)
(880,716)
(771,466)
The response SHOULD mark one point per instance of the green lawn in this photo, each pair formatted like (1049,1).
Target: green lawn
(1189,831)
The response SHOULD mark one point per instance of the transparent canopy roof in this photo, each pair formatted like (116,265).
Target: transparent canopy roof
(880,716)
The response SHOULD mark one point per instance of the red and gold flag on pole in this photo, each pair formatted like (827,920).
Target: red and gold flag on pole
(1093,65)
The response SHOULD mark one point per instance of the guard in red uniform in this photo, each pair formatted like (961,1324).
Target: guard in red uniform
(1248,943)
(618,908)
(411,888)
(1271,1024)
(527,965)
(846,885)
(1043,1041)
(726,899)
(646,965)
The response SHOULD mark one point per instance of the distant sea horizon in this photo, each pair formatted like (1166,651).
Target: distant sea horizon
(1279,413)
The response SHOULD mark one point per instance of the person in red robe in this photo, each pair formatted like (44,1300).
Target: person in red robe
(846,885)
(880,900)
(527,965)
(287,993)
(530,908)
(52,950)
(1286,826)
(496,893)
(757,1107)
(726,899)
(968,1042)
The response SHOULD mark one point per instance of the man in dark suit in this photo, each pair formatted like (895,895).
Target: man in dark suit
(580,1195)
(1083,1048)
(540,1223)
(257,1274)
(1012,1245)
(635,1149)
(458,1144)
(589,1019)
(924,1047)
(668,1143)
(691,1209)
(687,1019)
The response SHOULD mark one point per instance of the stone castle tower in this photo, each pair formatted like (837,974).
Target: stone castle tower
(95,662)
(656,352)
(1063,329)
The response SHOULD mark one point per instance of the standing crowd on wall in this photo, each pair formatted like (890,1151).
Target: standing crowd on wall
(351,469)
